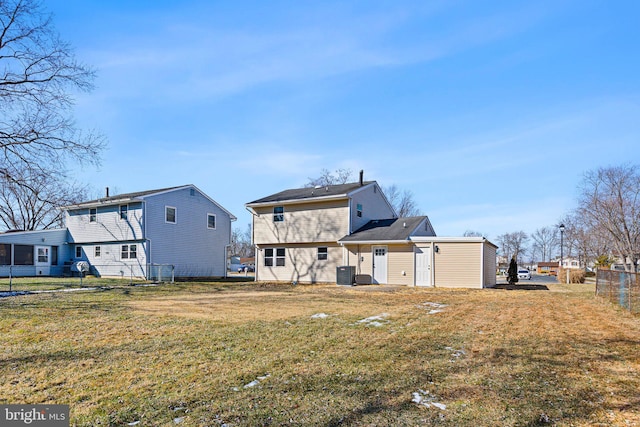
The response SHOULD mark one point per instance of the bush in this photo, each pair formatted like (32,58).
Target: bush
(575,276)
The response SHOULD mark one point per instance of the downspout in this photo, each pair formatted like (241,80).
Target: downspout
(255,247)
(482,265)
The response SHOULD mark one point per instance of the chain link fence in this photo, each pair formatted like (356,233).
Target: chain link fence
(619,287)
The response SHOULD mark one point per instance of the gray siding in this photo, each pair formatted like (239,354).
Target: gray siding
(108,227)
(189,244)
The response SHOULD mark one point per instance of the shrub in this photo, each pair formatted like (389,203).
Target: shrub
(575,276)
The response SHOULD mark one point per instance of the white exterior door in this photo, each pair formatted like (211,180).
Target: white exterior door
(379,264)
(43,260)
(423,266)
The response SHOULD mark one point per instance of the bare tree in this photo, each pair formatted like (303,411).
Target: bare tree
(34,206)
(473,233)
(38,73)
(241,244)
(545,240)
(610,201)
(402,201)
(513,245)
(340,176)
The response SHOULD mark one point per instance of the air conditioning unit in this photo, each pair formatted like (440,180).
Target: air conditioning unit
(345,275)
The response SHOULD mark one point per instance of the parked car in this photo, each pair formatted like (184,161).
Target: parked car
(249,268)
(523,273)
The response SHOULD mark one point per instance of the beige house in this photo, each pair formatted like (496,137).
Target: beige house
(304,235)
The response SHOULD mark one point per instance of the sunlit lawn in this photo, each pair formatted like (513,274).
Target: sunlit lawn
(241,354)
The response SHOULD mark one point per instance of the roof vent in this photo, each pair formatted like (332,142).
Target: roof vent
(317,187)
(361,177)
(404,225)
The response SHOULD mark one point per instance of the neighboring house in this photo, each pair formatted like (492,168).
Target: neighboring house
(134,234)
(548,268)
(304,235)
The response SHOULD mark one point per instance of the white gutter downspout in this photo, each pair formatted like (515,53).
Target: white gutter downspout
(482,265)
(253,239)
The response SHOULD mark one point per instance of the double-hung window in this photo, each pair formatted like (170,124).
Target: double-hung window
(278,213)
(211,221)
(93,214)
(170,214)
(359,210)
(129,252)
(274,257)
(124,211)
(322,253)
(97,251)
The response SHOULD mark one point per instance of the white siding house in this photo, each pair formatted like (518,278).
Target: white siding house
(135,234)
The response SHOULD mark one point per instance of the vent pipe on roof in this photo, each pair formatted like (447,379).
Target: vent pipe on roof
(361,177)
(106,191)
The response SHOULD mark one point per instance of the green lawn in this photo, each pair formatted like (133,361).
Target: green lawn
(203,354)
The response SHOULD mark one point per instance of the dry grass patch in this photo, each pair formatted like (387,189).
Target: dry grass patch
(239,354)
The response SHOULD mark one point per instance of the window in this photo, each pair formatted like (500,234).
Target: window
(269,258)
(43,255)
(129,252)
(93,214)
(170,214)
(54,255)
(78,251)
(192,192)
(322,253)
(278,213)
(23,255)
(123,211)
(97,251)
(359,210)
(211,221)
(5,254)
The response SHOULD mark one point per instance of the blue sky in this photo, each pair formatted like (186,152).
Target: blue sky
(488,111)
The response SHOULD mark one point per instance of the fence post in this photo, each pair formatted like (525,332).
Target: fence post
(10,277)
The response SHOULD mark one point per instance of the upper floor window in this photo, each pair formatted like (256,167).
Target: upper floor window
(278,213)
(78,251)
(359,210)
(323,253)
(211,221)
(170,214)
(124,211)
(93,214)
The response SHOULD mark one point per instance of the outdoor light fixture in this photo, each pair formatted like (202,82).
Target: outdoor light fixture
(436,248)
(561,227)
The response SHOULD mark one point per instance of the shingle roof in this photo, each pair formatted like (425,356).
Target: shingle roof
(311,193)
(385,229)
(128,196)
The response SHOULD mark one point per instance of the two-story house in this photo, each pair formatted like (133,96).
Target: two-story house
(304,235)
(130,234)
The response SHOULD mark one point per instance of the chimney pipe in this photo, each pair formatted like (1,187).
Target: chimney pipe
(361,177)
(107,191)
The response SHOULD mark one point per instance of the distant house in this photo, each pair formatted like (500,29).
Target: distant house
(306,234)
(132,234)
(549,268)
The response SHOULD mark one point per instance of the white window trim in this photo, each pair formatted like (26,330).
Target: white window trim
(120,212)
(96,215)
(128,251)
(215,221)
(278,215)
(97,251)
(325,253)
(175,215)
